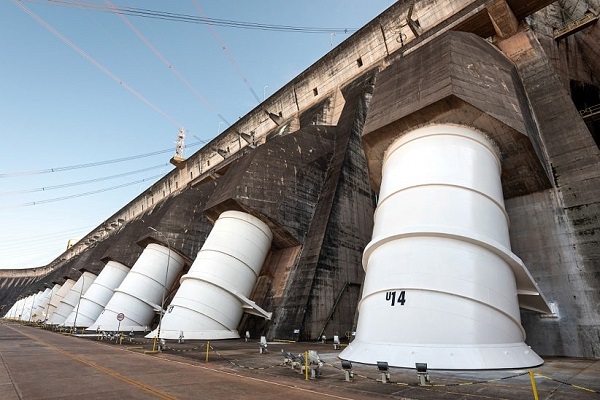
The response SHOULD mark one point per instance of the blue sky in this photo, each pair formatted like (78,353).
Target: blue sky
(114,87)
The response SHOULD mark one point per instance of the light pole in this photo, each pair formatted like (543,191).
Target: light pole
(23,308)
(162,304)
(31,309)
(48,306)
(79,302)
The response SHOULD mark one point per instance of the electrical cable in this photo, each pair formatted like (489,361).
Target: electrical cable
(168,16)
(73,196)
(92,164)
(235,65)
(169,65)
(83,229)
(101,67)
(65,185)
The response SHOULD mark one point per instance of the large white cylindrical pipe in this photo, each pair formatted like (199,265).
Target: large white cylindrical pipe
(71,299)
(98,295)
(44,307)
(208,304)
(37,297)
(27,307)
(41,303)
(439,285)
(140,294)
(11,311)
(14,310)
(21,310)
(56,299)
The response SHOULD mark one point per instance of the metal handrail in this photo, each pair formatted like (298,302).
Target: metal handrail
(586,112)
(574,24)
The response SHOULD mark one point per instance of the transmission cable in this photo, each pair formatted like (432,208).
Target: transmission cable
(65,185)
(73,196)
(232,61)
(92,164)
(168,63)
(101,67)
(175,17)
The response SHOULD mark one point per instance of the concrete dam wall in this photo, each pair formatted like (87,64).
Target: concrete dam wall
(441,167)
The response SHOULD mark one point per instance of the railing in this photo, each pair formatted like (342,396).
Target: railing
(575,25)
(590,113)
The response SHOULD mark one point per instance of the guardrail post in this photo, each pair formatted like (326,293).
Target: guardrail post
(533,385)
(306,364)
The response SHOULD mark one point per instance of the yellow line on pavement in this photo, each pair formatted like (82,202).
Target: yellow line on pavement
(220,371)
(156,392)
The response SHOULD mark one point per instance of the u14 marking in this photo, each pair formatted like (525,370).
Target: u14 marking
(400,298)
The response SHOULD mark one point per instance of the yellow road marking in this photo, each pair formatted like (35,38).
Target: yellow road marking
(156,392)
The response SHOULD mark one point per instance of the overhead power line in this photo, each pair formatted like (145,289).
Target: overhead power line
(65,185)
(101,67)
(237,68)
(192,19)
(33,203)
(9,243)
(168,63)
(92,164)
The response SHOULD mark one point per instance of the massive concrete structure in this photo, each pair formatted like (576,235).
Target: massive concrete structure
(308,163)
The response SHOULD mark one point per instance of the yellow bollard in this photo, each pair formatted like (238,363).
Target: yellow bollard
(154,344)
(306,364)
(533,385)
(207,350)
(121,338)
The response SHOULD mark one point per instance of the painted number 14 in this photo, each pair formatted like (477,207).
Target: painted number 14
(391,296)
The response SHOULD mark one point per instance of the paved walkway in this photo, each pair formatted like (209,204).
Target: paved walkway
(39,364)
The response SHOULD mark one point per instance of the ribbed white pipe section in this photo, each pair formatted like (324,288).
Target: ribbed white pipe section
(29,302)
(40,305)
(98,295)
(140,294)
(16,309)
(25,308)
(439,287)
(11,311)
(71,299)
(44,306)
(207,305)
(20,311)
(36,297)
(55,301)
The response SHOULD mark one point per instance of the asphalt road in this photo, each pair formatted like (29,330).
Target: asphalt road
(39,364)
